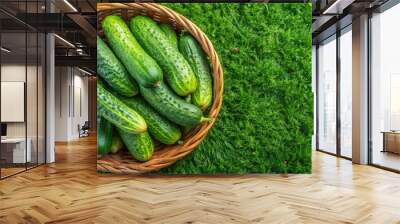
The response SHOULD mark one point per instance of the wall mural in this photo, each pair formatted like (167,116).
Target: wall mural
(204,88)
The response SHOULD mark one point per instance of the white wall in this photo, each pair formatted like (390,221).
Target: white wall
(9,73)
(62,81)
(70,83)
(13,72)
(80,109)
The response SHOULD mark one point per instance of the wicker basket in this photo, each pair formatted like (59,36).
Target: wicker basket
(163,155)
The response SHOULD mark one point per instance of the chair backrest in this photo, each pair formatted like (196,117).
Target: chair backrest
(86,125)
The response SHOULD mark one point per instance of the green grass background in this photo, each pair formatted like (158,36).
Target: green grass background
(266,121)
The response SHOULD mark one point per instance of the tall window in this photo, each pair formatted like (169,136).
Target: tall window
(327,95)
(385,88)
(346,92)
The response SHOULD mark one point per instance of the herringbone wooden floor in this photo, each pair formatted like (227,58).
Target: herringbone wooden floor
(70,191)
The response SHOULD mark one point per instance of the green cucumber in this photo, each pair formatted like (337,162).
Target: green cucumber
(139,64)
(188,98)
(116,142)
(170,33)
(118,113)
(159,127)
(104,135)
(113,72)
(177,70)
(176,109)
(139,145)
(197,59)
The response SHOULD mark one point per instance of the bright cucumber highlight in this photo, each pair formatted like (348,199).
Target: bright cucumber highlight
(197,59)
(159,127)
(118,113)
(176,109)
(140,145)
(139,64)
(113,72)
(177,70)
(170,34)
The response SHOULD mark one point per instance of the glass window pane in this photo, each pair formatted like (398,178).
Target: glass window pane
(385,92)
(31,97)
(346,94)
(327,96)
(23,84)
(13,86)
(32,87)
(41,98)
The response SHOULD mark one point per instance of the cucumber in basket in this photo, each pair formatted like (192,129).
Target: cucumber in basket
(118,113)
(173,107)
(194,54)
(104,135)
(116,142)
(170,33)
(139,64)
(113,72)
(159,127)
(177,70)
(139,145)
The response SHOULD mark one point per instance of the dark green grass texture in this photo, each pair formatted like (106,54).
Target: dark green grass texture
(266,121)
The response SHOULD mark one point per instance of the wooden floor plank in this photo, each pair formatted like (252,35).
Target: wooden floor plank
(70,191)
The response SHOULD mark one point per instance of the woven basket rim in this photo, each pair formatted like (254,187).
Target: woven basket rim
(165,155)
